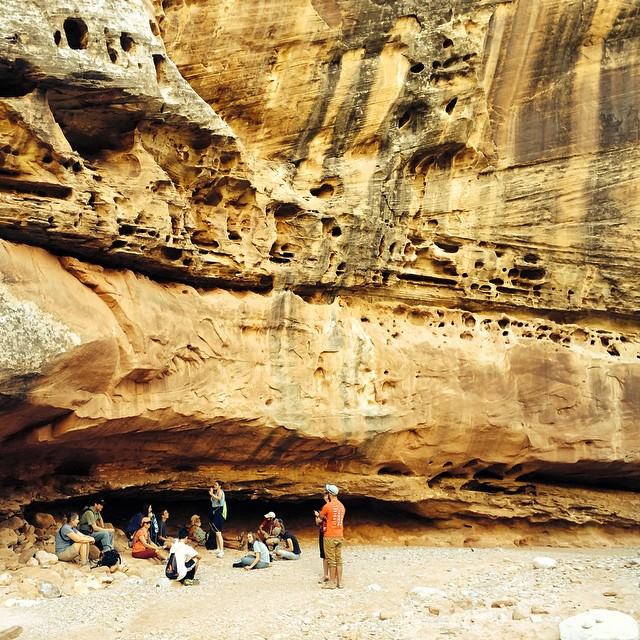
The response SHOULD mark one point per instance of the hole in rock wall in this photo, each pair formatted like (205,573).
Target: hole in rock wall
(76,32)
(325,190)
(417,68)
(451,105)
(127,42)
(395,469)
(57,38)
(447,43)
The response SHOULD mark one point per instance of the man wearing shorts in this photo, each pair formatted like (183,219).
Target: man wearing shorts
(333,515)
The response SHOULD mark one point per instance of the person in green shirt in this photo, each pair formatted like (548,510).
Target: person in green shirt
(92,524)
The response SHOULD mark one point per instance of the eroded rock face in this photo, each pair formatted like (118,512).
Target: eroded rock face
(389,242)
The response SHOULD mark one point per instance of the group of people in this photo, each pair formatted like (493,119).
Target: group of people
(149,539)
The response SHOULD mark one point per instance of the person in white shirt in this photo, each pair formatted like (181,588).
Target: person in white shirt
(187,559)
(259,559)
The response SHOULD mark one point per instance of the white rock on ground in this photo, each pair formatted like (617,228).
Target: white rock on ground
(599,624)
(46,559)
(542,562)
(426,592)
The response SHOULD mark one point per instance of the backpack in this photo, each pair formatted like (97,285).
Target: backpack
(109,558)
(171,570)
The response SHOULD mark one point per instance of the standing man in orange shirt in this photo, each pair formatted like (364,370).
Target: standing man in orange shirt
(333,515)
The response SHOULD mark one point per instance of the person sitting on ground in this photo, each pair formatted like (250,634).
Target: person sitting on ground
(142,547)
(187,559)
(270,529)
(135,523)
(288,548)
(259,559)
(196,533)
(92,524)
(164,540)
(70,543)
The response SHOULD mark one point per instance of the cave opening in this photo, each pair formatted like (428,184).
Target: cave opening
(245,510)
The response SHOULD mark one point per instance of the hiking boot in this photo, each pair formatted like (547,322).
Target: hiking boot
(189,582)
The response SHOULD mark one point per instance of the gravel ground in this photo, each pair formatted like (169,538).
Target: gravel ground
(461,593)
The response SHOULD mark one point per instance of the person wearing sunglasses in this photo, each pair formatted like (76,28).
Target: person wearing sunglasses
(142,547)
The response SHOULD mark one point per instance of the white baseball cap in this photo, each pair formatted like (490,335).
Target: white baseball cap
(332,489)
(270,515)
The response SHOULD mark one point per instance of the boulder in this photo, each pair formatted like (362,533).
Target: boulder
(10,633)
(26,555)
(46,559)
(49,590)
(8,538)
(599,624)
(5,579)
(14,523)
(44,520)
(542,562)
(19,602)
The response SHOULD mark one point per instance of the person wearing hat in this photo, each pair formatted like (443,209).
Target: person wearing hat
(333,515)
(270,528)
(92,524)
(142,546)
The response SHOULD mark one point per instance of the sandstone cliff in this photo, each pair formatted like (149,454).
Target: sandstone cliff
(390,243)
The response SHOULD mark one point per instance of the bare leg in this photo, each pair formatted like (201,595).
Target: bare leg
(325,569)
(339,576)
(219,541)
(84,551)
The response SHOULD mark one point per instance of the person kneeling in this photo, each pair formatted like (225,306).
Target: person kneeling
(259,559)
(70,543)
(142,546)
(186,559)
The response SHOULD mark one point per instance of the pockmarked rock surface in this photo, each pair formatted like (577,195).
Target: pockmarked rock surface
(394,243)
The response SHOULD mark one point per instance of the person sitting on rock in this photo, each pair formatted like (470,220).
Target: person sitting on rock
(187,559)
(143,548)
(259,559)
(92,524)
(196,533)
(71,543)
(288,548)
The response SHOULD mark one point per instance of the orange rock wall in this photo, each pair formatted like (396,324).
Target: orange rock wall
(388,242)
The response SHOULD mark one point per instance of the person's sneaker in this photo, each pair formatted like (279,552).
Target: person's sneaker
(187,582)
(219,554)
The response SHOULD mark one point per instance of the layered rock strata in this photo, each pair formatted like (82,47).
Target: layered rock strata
(388,242)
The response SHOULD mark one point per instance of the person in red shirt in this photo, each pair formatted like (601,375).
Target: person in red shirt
(333,515)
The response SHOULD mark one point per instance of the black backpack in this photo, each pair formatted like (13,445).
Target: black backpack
(109,558)
(171,570)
